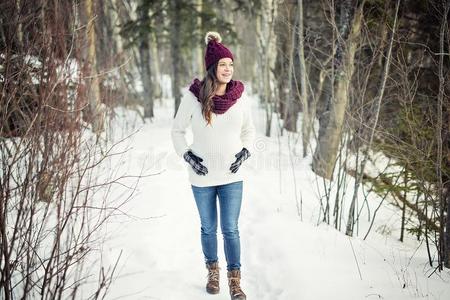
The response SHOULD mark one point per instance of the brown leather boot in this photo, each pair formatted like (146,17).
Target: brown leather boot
(212,286)
(234,282)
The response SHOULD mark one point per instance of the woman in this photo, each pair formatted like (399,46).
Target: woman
(223,134)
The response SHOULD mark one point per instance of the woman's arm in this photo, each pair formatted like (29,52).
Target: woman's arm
(181,122)
(248,128)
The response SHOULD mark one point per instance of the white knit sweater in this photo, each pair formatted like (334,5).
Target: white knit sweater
(217,143)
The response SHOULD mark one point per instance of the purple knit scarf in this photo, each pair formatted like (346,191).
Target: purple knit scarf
(221,103)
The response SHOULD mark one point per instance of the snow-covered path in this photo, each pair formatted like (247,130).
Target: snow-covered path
(283,257)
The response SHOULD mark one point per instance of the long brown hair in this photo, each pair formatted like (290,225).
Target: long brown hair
(207,92)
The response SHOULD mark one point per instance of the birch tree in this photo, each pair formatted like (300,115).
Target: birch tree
(307,117)
(265,22)
(331,126)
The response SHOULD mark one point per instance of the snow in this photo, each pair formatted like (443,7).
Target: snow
(286,253)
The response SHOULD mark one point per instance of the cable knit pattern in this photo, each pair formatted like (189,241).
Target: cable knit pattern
(217,143)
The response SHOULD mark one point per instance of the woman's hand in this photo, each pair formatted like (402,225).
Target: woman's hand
(240,157)
(195,162)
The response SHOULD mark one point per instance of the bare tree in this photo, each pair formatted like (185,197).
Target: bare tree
(51,211)
(144,62)
(330,131)
(350,220)
(265,23)
(95,109)
(443,245)
(290,106)
(307,117)
(175,27)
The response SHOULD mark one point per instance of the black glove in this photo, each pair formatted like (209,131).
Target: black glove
(195,162)
(240,157)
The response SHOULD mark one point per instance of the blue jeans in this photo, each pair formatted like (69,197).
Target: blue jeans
(230,198)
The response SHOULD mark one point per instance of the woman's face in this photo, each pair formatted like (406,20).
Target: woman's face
(224,70)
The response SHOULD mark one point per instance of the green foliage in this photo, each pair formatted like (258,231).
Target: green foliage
(158,20)
(417,230)
(251,8)
(410,140)
(133,31)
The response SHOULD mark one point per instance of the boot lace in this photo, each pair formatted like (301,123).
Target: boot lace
(235,286)
(213,274)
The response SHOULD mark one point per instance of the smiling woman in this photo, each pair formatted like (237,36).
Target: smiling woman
(223,133)
(224,74)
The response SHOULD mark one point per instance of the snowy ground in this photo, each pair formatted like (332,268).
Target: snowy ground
(284,256)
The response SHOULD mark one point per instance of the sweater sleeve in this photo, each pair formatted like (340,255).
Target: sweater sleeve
(248,128)
(181,122)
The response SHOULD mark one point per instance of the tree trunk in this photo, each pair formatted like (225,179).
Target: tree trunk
(402,227)
(290,108)
(20,26)
(447,185)
(145,63)
(266,42)
(95,108)
(117,15)
(330,132)
(350,220)
(443,256)
(201,46)
(306,122)
(283,27)
(175,27)
(447,229)
(156,84)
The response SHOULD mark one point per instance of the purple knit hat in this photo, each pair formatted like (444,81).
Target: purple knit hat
(214,49)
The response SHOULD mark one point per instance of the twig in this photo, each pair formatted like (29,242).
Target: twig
(356,260)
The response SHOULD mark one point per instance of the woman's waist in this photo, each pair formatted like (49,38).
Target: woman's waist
(217,157)
(215,148)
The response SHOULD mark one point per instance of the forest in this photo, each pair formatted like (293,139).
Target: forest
(349,79)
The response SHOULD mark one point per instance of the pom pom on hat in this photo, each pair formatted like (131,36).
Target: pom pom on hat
(212,36)
(215,50)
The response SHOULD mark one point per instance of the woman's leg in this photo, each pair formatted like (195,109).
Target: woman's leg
(205,198)
(230,198)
